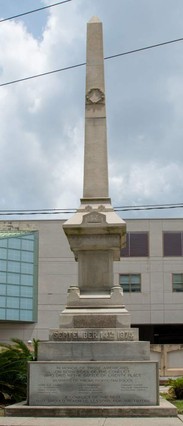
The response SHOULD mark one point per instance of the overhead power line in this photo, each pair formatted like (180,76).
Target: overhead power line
(73,210)
(152,46)
(128,52)
(42,74)
(149,207)
(33,11)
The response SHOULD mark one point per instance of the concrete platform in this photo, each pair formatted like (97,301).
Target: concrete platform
(165,409)
(97,421)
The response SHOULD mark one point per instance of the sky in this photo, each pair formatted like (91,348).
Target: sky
(42,120)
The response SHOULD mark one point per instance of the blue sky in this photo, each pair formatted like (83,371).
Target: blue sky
(42,120)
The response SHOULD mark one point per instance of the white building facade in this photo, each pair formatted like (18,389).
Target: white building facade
(37,267)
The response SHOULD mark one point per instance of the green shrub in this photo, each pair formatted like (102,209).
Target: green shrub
(176,387)
(13,369)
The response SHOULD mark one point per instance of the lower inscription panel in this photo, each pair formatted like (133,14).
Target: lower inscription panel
(93,383)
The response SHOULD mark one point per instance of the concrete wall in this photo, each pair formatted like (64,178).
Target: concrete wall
(156,304)
(170,358)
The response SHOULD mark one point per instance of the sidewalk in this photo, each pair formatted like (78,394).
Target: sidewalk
(93,421)
(110,421)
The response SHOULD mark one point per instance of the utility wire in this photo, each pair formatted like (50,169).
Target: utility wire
(152,46)
(129,52)
(33,11)
(149,206)
(123,209)
(42,74)
(73,210)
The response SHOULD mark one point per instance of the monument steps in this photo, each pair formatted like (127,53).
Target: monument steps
(164,409)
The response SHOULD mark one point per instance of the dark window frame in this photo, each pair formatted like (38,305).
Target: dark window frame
(135,248)
(172,243)
(131,285)
(174,288)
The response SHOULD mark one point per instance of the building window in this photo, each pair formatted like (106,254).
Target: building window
(131,283)
(137,244)
(177,282)
(173,243)
(18,276)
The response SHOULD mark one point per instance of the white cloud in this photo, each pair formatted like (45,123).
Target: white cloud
(42,120)
(150,183)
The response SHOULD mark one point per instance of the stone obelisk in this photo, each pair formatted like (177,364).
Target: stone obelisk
(95,159)
(93,364)
(95,233)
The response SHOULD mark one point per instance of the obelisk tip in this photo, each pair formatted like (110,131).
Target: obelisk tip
(94,20)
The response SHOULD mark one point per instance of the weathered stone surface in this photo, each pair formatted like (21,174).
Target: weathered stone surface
(94,351)
(94,334)
(95,163)
(164,409)
(95,318)
(88,296)
(95,384)
(95,232)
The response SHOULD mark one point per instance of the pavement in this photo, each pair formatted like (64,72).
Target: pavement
(97,421)
(93,421)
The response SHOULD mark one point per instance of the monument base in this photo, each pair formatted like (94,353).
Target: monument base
(94,351)
(164,409)
(95,383)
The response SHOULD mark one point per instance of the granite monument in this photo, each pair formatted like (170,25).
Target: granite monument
(94,363)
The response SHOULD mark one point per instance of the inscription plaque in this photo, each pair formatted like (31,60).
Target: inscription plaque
(94,334)
(93,383)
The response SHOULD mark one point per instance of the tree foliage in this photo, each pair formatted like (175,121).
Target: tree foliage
(13,369)
(176,387)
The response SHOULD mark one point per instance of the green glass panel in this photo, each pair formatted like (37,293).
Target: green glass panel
(13,254)
(26,291)
(12,302)
(25,303)
(3,253)
(27,279)
(14,243)
(13,290)
(27,256)
(2,314)
(27,245)
(12,314)
(2,301)
(13,278)
(26,315)
(13,266)
(4,242)
(2,289)
(27,268)
(18,276)
(2,277)
(2,265)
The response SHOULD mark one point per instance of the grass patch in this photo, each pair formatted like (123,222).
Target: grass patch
(1,412)
(177,402)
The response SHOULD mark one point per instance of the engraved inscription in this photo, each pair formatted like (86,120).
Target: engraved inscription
(94,335)
(93,383)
